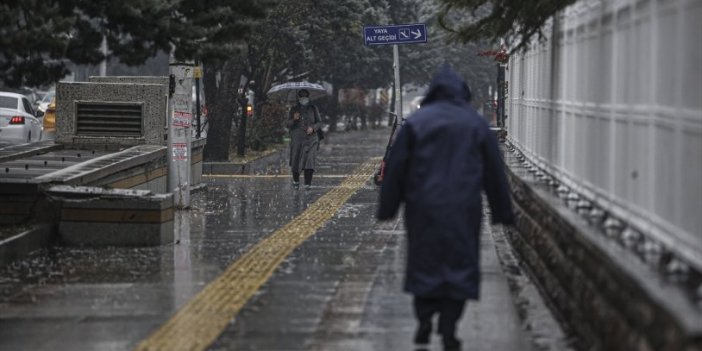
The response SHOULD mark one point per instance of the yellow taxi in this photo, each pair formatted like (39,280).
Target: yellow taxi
(50,121)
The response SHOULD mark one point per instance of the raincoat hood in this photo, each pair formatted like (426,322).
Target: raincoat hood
(447,86)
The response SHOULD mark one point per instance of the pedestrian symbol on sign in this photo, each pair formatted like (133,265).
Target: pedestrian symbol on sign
(395,34)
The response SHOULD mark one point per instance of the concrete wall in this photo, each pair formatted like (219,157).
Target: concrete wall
(153,98)
(152,176)
(611,105)
(132,79)
(162,81)
(17,247)
(109,168)
(90,216)
(18,201)
(197,145)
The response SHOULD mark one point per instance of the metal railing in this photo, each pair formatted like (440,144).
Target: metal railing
(611,105)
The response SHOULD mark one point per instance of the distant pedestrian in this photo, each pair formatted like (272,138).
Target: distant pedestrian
(444,155)
(303,123)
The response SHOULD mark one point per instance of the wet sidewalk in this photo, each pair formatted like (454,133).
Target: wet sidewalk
(257,265)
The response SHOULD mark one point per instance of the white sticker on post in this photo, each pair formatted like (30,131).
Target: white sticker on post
(182,119)
(182,102)
(180,152)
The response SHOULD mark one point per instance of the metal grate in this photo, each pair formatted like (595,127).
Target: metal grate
(109,119)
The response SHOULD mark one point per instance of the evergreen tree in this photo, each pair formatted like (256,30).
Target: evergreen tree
(338,52)
(39,37)
(515,21)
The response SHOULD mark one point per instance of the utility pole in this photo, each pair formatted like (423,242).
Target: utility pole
(179,131)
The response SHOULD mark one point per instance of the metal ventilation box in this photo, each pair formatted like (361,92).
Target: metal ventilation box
(119,113)
(109,119)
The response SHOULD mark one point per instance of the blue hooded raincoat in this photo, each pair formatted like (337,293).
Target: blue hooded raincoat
(442,158)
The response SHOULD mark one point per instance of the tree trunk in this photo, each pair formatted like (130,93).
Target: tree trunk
(334,107)
(221,105)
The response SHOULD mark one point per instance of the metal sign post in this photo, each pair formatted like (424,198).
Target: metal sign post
(398,86)
(179,133)
(395,35)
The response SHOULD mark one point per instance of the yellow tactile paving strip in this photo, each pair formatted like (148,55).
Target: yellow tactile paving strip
(202,319)
(316,176)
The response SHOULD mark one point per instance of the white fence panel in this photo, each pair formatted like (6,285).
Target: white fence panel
(611,104)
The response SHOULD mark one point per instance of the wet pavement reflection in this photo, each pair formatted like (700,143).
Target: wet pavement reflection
(339,290)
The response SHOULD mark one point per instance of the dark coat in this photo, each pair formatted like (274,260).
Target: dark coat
(443,157)
(303,146)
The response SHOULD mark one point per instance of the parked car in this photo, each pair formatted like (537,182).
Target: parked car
(45,101)
(34,95)
(415,104)
(49,123)
(18,124)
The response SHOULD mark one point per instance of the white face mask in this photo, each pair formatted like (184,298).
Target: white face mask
(304,101)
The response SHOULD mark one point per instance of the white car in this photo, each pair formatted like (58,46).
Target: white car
(45,101)
(17,121)
(415,104)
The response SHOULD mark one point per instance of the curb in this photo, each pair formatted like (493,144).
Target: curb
(271,159)
(20,245)
(198,188)
(538,320)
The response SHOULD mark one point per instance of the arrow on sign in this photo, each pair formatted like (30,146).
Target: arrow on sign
(417,34)
(395,34)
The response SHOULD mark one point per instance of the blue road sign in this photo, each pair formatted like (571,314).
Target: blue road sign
(395,34)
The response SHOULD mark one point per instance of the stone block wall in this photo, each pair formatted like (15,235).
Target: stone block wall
(607,296)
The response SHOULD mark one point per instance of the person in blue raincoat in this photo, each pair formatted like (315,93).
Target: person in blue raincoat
(443,157)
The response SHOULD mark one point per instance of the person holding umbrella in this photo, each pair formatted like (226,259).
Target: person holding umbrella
(303,123)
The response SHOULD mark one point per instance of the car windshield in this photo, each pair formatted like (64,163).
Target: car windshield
(8,102)
(47,98)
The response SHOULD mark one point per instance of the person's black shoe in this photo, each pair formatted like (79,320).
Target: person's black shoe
(452,344)
(421,337)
